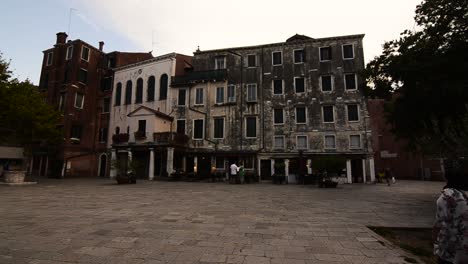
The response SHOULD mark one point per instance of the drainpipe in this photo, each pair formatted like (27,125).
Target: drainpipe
(242,97)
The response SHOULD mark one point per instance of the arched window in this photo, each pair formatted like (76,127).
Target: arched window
(151,88)
(117,130)
(163,87)
(139,91)
(128,92)
(118,93)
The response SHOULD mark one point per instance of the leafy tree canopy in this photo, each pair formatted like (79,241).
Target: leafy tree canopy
(25,118)
(424,77)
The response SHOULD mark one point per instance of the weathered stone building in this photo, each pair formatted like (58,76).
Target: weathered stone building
(76,77)
(288,103)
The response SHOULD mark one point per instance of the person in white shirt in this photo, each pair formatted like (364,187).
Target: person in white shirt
(233,169)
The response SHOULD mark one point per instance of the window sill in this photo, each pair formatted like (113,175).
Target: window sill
(251,102)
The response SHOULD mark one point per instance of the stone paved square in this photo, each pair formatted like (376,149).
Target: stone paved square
(97,221)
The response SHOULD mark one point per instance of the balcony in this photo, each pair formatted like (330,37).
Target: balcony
(140,135)
(170,138)
(120,138)
(199,76)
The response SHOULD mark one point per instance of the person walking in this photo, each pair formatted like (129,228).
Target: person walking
(388,176)
(450,232)
(241,173)
(233,172)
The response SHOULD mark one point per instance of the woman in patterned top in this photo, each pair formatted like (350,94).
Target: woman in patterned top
(451,224)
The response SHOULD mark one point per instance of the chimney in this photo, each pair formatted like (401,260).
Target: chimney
(61,38)
(101,45)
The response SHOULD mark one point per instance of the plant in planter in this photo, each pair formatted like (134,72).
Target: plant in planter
(26,120)
(280,173)
(328,167)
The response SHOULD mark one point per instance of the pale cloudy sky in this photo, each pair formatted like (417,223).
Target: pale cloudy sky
(181,25)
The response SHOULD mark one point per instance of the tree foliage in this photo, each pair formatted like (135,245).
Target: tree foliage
(423,74)
(25,118)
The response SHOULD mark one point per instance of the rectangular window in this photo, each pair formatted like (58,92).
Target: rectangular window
(355,141)
(83,76)
(231,94)
(325,53)
(45,81)
(251,61)
(61,105)
(301,115)
(301,142)
(85,53)
(220,62)
(181,126)
(218,128)
(106,105)
(79,100)
(278,142)
(251,127)
(348,51)
(299,84)
(278,116)
(328,114)
(330,142)
(220,95)
(106,84)
(353,112)
(251,92)
(69,53)
(219,162)
(326,83)
(299,56)
(198,127)
(199,96)
(50,56)
(350,81)
(278,86)
(103,134)
(76,132)
(181,98)
(277,58)
(142,126)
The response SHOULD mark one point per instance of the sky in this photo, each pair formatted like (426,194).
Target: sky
(28,27)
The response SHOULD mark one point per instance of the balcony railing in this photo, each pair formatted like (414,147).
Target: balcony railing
(140,135)
(170,138)
(120,138)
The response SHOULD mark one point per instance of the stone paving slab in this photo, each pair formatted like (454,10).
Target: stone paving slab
(97,221)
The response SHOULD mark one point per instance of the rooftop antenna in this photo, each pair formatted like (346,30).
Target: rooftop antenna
(69,19)
(152,41)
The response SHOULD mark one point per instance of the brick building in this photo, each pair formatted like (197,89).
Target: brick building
(76,77)
(392,153)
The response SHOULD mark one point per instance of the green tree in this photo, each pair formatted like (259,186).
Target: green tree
(424,77)
(25,118)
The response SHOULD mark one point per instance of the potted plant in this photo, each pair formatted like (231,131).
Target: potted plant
(126,173)
(328,167)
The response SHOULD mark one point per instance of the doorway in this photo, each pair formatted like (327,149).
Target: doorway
(265,170)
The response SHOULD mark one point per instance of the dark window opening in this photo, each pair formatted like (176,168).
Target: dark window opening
(326,83)
(128,92)
(219,163)
(353,113)
(106,84)
(45,81)
(325,53)
(151,88)
(76,132)
(299,85)
(277,86)
(163,87)
(103,134)
(181,126)
(328,115)
(106,105)
(118,93)
(278,116)
(142,126)
(139,91)
(181,98)
(348,52)
(299,56)
(198,129)
(350,80)
(83,76)
(251,127)
(251,61)
(277,58)
(301,115)
(218,127)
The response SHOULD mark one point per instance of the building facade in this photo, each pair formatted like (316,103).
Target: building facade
(142,128)
(289,103)
(77,78)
